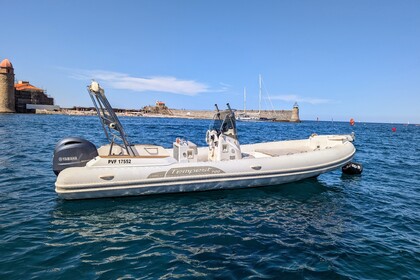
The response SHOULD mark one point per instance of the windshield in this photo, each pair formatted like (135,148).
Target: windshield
(224,122)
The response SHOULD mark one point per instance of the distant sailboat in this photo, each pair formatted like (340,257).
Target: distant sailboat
(244,116)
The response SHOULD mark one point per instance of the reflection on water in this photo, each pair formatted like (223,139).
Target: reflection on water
(204,230)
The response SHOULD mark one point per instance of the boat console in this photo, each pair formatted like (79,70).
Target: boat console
(184,151)
(222,137)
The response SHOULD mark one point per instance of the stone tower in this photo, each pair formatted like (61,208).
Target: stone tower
(7,90)
(295,113)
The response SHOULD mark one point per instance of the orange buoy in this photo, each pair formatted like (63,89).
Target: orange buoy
(394,129)
(351,121)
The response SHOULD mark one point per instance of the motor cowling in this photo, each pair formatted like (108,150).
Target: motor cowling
(72,152)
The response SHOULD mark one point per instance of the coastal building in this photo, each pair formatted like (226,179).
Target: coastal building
(160,104)
(29,98)
(159,108)
(21,97)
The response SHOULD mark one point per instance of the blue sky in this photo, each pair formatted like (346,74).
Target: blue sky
(338,59)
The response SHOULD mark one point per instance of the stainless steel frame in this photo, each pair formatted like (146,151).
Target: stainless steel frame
(112,126)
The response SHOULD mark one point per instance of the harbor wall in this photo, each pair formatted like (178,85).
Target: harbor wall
(277,115)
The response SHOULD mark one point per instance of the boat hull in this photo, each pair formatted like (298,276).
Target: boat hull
(173,177)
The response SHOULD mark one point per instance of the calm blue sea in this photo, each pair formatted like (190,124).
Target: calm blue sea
(332,227)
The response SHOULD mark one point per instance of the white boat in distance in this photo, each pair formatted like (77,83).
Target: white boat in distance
(123,169)
(253,117)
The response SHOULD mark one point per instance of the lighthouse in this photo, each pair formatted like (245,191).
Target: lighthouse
(295,113)
(7,90)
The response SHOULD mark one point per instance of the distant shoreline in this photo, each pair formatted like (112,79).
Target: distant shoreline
(209,115)
(282,115)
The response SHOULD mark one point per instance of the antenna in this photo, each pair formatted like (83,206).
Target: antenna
(227,104)
(232,120)
(217,108)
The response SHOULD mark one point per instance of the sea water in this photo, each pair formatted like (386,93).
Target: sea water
(335,226)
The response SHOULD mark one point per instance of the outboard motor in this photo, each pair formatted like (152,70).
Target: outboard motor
(72,152)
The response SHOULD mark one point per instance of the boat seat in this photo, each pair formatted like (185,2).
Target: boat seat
(116,150)
(279,152)
(141,151)
(151,151)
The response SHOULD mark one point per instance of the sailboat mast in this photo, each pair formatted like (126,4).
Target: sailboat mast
(244,99)
(259,103)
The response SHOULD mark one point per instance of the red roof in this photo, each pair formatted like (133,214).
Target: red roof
(26,86)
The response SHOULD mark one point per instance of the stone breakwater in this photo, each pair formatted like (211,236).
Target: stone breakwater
(276,115)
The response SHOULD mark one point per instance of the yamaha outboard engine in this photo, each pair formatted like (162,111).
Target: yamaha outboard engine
(72,152)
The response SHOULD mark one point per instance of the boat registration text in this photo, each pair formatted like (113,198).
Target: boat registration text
(119,161)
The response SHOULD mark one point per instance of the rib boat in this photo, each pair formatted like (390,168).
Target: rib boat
(124,169)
